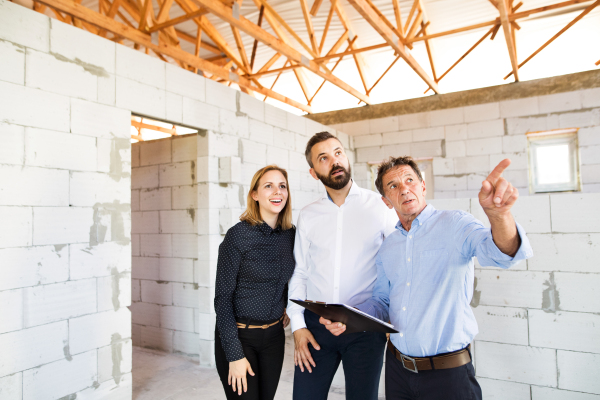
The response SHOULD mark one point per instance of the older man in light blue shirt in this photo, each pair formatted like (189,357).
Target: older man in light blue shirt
(425,281)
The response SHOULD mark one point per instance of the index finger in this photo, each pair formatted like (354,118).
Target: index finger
(497,172)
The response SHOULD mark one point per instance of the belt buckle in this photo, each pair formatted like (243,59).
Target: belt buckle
(412,360)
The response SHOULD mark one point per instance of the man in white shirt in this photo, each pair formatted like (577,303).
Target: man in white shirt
(337,239)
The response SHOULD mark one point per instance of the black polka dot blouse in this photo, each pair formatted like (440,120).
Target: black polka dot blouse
(254,267)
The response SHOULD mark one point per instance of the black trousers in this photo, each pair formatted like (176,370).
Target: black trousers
(442,384)
(362,356)
(264,349)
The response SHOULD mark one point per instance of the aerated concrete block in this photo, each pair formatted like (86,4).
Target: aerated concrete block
(502,325)
(177,318)
(251,106)
(284,139)
(145,268)
(512,288)
(482,112)
(185,83)
(575,213)
(186,343)
(578,371)
(472,164)
(141,98)
(114,361)
(19,25)
(129,60)
(31,186)
(12,318)
(494,389)
(565,330)
(12,68)
(61,378)
(576,252)
(32,107)
(101,260)
(559,102)
(97,330)
(275,116)
(449,116)
(145,222)
(78,152)
(185,148)
(427,134)
(60,225)
(177,174)
(11,387)
(476,147)
(174,104)
(155,199)
(522,364)
(260,132)
(577,292)
(546,393)
(114,291)
(483,129)
(185,245)
(29,351)
(157,338)
(59,301)
(152,245)
(178,221)
(200,115)
(253,152)
(176,270)
(519,107)
(220,95)
(279,157)
(53,74)
(184,197)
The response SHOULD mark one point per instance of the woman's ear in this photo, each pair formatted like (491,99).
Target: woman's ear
(254,195)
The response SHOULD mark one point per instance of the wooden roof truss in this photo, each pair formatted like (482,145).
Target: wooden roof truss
(135,21)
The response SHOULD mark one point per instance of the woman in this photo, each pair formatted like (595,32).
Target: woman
(255,263)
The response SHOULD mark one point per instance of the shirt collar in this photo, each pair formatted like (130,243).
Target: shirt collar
(267,230)
(423,216)
(354,191)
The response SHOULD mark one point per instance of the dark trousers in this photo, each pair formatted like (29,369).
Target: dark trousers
(362,357)
(264,349)
(442,384)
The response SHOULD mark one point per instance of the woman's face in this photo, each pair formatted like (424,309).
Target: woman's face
(272,194)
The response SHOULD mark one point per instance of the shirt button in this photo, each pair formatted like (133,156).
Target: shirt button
(336,287)
(407,283)
(410,236)
(339,228)
(401,334)
(409,259)
(403,308)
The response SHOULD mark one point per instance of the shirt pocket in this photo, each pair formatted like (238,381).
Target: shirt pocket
(432,258)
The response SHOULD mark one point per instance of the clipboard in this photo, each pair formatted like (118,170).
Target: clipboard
(355,320)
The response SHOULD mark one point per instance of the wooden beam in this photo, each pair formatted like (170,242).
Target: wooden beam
(276,71)
(466,54)
(309,26)
(398,15)
(363,8)
(270,63)
(198,45)
(178,20)
(255,45)
(276,79)
(382,75)
(143,125)
(570,24)
(101,21)
(354,51)
(504,14)
(274,18)
(241,49)
(225,13)
(597,62)
(145,15)
(410,15)
(315,7)
(327,24)
(413,28)
(513,17)
(333,69)
(192,39)
(387,21)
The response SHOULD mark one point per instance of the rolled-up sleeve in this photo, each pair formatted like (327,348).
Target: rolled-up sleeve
(475,240)
(228,266)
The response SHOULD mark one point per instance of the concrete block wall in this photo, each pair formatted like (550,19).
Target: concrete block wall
(65,248)
(538,322)
(164,205)
(466,143)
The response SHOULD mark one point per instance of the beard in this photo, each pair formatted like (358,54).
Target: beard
(336,182)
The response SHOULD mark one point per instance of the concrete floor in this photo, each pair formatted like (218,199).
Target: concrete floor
(163,376)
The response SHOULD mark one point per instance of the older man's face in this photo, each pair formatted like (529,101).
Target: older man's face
(404,191)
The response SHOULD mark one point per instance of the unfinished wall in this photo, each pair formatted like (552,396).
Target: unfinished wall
(539,322)
(65,261)
(186,193)
(466,143)
(165,245)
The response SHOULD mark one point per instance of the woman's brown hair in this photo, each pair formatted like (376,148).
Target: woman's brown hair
(252,213)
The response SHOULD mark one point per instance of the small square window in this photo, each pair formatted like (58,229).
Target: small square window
(553,161)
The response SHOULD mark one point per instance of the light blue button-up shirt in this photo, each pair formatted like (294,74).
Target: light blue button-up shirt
(425,280)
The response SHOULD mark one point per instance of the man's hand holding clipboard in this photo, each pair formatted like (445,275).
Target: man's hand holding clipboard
(346,319)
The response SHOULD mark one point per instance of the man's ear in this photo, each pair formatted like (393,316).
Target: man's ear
(313,173)
(387,202)
(424,188)
(254,195)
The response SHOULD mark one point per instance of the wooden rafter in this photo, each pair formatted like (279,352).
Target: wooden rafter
(255,45)
(225,13)
(103,22)
(315,7)
(398,15)
(142,125)
(327,24)
(363,8)
(563,30)
(309,26)
(178,20)
(512,17)
(333,69)
(240,46)
(488,33)
(193,40)
(359,61)
(382,75)
(510,43)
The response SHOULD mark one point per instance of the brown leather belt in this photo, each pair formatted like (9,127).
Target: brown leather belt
(265,326)
(446,361)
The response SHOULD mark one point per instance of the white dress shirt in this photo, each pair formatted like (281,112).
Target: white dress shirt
(335,250)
